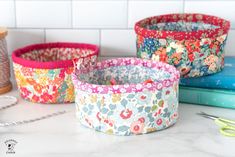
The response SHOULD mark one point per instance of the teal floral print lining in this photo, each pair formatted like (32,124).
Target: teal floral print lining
(181,26)
(124,75)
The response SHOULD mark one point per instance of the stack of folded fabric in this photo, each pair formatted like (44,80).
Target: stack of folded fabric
(213,90)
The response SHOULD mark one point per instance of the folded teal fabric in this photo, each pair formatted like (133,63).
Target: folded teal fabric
(222,80)
(209,97)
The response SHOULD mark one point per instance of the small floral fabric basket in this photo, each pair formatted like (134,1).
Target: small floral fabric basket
(193,43)
(127,96)
(43,71)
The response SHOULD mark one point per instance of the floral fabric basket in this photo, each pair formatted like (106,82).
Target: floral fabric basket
(43,71)
(193,43)
(127,96)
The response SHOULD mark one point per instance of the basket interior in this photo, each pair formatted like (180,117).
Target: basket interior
(128,74)
(56,54)
(181,26)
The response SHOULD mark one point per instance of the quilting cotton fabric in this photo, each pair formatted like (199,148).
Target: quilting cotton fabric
(222,80)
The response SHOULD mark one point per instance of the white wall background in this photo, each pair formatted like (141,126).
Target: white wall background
(107,23)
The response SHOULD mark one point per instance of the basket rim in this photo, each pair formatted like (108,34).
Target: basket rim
(223,24)
(51,64)
(129,88)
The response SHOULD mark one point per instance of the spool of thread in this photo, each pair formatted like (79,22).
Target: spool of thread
(5,84)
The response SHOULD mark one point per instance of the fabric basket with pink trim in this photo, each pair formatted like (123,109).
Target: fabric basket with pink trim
(193,43)
(126,96)
(43,71)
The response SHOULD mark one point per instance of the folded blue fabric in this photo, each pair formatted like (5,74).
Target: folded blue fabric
(222,80)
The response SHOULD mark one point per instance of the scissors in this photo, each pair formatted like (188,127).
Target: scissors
(227,127)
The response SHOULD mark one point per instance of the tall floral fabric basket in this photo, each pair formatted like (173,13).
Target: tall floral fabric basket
(43,71)
(193,43)
(127,96)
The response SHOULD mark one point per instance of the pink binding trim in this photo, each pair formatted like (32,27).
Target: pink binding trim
(224,26)
(128,88)
(16,55)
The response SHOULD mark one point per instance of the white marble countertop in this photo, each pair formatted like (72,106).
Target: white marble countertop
(63,136)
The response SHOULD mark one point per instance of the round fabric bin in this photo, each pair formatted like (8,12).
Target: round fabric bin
(193,43)
(43,71)
(127,96)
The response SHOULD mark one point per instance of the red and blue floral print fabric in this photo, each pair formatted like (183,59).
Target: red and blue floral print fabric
(193,43)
